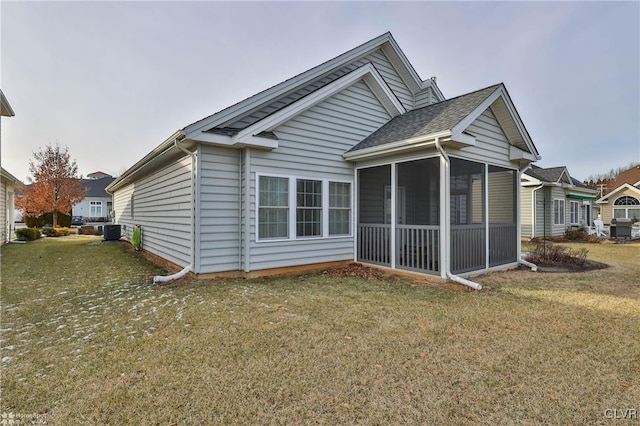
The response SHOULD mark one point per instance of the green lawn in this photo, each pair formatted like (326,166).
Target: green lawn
(87,339)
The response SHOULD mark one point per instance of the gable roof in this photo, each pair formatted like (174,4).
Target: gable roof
(251,121)
(623,187)
(559,176)
(8,177)
(231,120)
(448,119)
(432,119)
(549,174)
(5,108)
(630,176)
(97,186)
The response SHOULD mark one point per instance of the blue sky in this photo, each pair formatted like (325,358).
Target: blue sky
(112,80)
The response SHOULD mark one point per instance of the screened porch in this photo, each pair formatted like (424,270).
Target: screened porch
(481,212)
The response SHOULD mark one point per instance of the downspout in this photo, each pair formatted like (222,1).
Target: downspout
(187,269)
(445,221)
(240,154)
(247,209)
(521,260)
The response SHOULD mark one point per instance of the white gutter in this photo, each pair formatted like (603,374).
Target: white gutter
(187,269)
(445,219)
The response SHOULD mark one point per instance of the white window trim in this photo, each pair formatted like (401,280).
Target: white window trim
(571,213)
(293,207)
(564,211)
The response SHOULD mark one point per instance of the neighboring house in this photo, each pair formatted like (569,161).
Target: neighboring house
(8,183)
(622,202)
(98,175)
(552,202)
(97,203)
(305,174)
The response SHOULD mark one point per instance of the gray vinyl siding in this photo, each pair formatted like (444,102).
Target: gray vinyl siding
(558,230)
(3,213)
(492,146)
(425,98)
(377,58)
(311,145)
(162,207)
(526,212)
(220,209)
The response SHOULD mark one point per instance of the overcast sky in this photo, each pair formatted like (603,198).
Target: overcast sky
(113,80)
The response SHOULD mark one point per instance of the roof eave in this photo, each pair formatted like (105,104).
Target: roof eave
(123,179)
(419,142)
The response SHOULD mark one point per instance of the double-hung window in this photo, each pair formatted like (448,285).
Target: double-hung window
(308,208)
(558,211)
(300,208)
(575,212)
(339,208)
(273,208)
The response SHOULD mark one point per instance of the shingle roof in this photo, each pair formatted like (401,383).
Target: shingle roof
(97,186)
(551,174)
(428,120)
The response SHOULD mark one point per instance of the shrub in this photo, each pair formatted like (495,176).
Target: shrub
(549,253)
(28,234)
(89,230)
(136,238)
(48,231)
(55,232)
(40,221)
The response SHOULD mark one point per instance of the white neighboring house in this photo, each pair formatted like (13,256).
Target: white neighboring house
(8,183)
(304,175)
(96,205)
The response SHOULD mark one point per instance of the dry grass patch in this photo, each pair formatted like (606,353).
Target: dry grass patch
(101,345)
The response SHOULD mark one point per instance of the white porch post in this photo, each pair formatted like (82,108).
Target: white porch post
(445,215)
(486,215)
(392,236)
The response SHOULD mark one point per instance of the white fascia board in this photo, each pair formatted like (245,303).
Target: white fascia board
(211,138)
(615,191)
(516,154)
(257,142)
(397,58)
(464,139)
(286,86)
(498,93)
(395,147)
(274,120)
(156,152)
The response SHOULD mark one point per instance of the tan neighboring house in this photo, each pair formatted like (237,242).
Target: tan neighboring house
(621,196)
(8,183)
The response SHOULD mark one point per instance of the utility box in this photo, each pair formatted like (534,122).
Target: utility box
(621,227)
(112,232)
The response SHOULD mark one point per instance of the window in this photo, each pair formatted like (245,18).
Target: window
(558,212)
(339,208)
(95,209)
(626,207)
(308,208)
(575,212)
(299,208)
(273,208)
